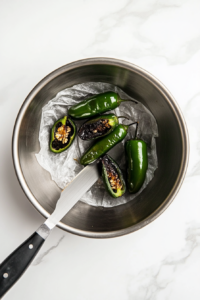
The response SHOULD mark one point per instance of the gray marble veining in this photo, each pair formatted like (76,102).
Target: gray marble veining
(161,261)
(40,257)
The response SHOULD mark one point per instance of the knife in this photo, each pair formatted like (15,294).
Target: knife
(18,261)
(12,268)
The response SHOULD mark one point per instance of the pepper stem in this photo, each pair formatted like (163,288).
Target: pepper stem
(136,129)
(123,100)
(127,126)
(133,123)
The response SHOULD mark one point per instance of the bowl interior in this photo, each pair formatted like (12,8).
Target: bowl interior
(97,221)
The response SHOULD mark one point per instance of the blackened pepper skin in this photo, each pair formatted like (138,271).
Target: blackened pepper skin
(105,144)
(112,177)
(62,135)
(96,105)
(98,127)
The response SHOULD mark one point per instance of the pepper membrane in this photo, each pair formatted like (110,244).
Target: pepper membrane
(62,135)
(112,177)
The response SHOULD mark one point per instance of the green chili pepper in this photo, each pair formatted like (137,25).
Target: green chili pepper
(62,135)
(105,144)
(137,163)
(95,105)
(98,127)
(112,177)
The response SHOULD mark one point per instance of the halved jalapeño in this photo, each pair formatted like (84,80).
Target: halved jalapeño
(112,177)
(62,135)
(98,127)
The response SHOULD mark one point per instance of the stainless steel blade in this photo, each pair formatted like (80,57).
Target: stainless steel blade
(72,193)
(76,188)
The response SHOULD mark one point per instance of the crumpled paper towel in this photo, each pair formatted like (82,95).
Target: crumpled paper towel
(64,166)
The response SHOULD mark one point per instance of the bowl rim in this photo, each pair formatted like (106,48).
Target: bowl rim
(171,101)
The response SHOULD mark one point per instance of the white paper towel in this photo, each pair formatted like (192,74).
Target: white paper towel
(64,166)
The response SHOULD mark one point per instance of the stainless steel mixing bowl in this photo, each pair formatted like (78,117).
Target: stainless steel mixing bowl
(172,148)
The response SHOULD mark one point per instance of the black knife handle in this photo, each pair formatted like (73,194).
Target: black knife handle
(18,261)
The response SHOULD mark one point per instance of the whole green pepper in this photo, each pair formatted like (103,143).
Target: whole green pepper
(98,127)
(112,177)
(62,135)
(137,164)
(105,144)
(95,105)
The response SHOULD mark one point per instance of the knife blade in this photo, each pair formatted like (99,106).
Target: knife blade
(72,193)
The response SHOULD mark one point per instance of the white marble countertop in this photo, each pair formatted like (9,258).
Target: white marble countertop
(160,261)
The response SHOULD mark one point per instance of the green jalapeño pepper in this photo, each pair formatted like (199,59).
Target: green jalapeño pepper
(112,177)
(62,135)
(105,144)
(96,105)
(137,163)
(98,127)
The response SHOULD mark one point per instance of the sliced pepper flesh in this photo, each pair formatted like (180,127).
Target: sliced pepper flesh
(112,177)
(62,135)
(98,127)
